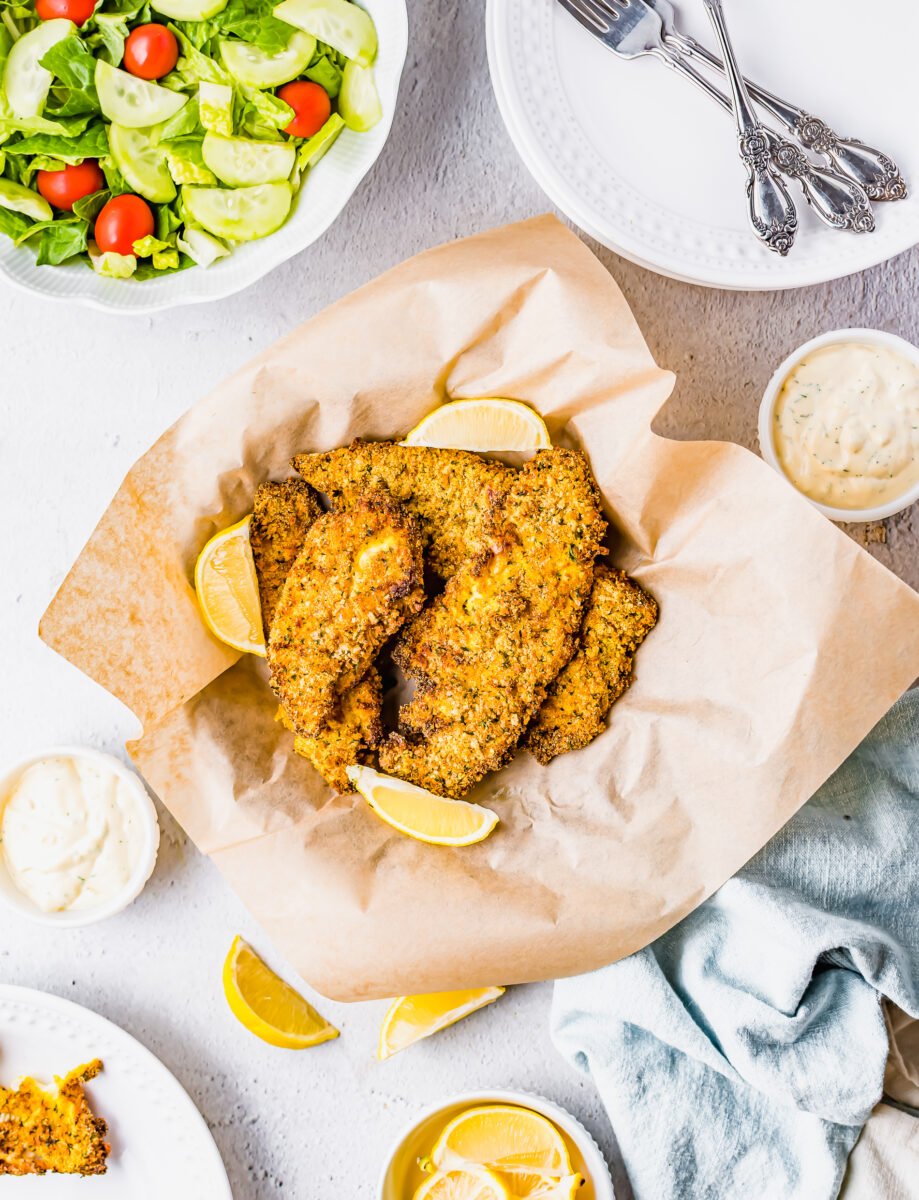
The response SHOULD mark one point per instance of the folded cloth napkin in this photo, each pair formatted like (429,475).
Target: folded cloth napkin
(740,1054)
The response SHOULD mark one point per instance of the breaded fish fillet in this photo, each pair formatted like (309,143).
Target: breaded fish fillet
(620,616)
(357,579)
(56,1131)
(451,492)
(350,733)
(485,652)
(282,514)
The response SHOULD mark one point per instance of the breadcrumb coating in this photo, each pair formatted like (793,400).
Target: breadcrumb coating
(357,579)
(352,731)
(56,1131)
(451,492)
(620,616)
(485,652)
(282,513)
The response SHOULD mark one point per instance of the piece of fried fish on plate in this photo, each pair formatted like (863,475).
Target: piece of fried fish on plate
(356,580)
(485,652)
(451,492)
(52,1130)
(619,617)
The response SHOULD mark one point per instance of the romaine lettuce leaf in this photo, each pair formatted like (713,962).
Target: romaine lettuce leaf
(58,240)
(254,21)
(74,68)
(13,224)
(93,143)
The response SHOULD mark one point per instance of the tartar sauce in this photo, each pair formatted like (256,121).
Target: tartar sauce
(846,425)
(72,833)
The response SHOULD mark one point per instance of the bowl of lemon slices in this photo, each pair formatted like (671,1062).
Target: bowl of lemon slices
(496,1145)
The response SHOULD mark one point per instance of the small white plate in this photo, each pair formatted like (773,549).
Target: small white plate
(160,1143)
(647,165)
(401,1176)
(324,194)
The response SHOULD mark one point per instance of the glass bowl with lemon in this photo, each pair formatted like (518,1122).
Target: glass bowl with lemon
(496,1145)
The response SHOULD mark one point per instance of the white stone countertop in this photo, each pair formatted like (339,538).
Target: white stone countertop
(82,395)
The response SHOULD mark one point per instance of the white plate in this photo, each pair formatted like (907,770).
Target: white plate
(160,1143)
(645,163)
(325,192)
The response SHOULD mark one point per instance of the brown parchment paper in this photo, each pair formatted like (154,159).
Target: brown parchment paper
(780,643)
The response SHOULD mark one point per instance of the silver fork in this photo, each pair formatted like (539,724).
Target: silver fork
(631,29)
(877,173)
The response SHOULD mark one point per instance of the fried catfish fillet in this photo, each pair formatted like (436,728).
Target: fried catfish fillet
(619,617)
(282,514)
(357,579)
(451,492)
(52,1131)
(485,651)
(350,733)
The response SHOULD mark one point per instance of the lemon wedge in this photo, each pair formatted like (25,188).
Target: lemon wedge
(269,1007)
(419,813)
(227,590)
(462,1185)
(507,1140)
(411,1018)
(482,425)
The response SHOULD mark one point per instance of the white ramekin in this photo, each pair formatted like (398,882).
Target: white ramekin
(418,1139)
(14,899)
(871,337)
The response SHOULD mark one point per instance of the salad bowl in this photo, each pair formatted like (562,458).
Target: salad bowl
(322,196)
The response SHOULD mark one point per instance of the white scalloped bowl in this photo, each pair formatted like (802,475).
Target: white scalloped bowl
(324,194)
(401,1176)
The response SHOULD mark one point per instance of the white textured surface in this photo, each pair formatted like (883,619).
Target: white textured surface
(82,395)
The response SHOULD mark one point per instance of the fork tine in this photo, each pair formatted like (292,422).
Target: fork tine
(591,13)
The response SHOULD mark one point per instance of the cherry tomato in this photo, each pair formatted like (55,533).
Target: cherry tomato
(63,188)
(311,105)
(123,221)
(78,11)
(151,51)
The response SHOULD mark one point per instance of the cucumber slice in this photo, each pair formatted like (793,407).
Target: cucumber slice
(215,106)
(241,162)
(239,214)
(254,67)
(132,102)
(25,81)
(320,143)
(189,10)
(23,200)
(339,23)
(358,100)
(142,161)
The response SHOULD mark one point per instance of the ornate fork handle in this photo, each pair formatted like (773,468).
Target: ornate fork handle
(837,199)
(877,173)
(771,212)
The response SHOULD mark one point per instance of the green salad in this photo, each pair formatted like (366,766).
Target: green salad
(146,136)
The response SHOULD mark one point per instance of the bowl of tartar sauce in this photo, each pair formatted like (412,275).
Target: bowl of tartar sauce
(840,421)
(78,836)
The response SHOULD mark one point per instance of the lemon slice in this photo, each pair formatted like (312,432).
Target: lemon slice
(482,425)
(537,1186)
(421,814)
(462,1185)
(411,1018)
(227,589)
(505,1139)
(267,1006)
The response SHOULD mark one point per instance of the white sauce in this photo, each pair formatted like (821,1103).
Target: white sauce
(846,425)
(72,833)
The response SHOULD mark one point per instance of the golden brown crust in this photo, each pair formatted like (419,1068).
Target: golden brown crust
(485,652)
(353,730)
(355,582)
(282,513)
(619,618)
(451,492)
(52,1131)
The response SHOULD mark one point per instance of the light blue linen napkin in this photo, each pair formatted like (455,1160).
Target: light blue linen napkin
(739,1055)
